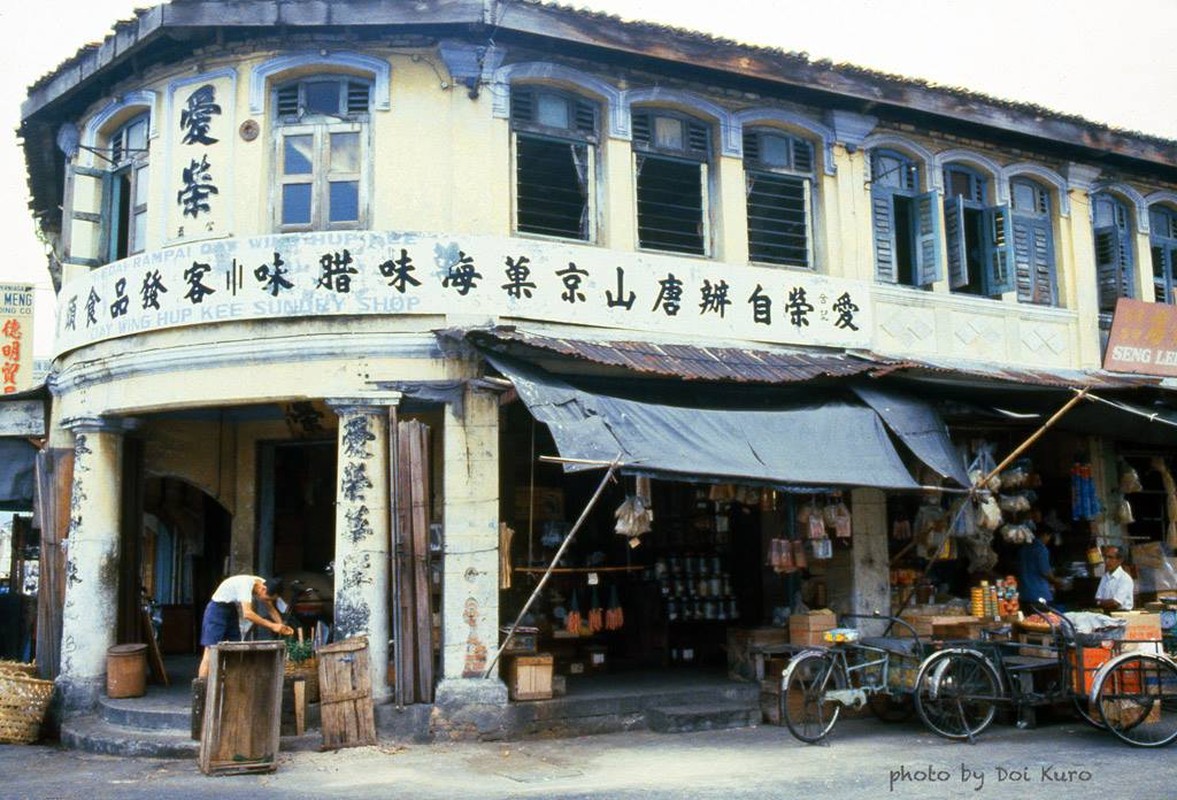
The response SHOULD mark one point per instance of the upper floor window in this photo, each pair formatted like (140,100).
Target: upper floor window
(976,234)
(906,222)
(124,231)
(672,152)
(1112,223)
(322,130)
(555,162)
(778,170)
(1163,242)
(1033,242)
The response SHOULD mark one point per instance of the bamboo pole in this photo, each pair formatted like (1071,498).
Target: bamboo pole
(551,567)
(1079,395)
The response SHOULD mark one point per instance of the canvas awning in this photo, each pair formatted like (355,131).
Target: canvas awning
(823,444)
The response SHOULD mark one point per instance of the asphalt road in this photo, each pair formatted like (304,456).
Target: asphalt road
(864,759)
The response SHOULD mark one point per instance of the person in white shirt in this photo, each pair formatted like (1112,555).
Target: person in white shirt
(231,603)
(1115,587)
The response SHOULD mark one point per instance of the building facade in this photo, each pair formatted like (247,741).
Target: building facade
(285,231)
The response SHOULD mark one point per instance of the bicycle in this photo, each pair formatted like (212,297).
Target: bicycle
(959,689)
(818,682)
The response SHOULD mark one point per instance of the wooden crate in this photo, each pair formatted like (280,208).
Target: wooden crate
(770,701)
(242,708)
(346,712)
(530,677)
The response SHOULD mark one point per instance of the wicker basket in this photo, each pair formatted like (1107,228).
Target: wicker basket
(23,702)
(19,667)
(308,670)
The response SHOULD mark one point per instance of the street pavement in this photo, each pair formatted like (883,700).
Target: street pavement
(863,759)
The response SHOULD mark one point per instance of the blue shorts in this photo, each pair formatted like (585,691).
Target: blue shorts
(219,624)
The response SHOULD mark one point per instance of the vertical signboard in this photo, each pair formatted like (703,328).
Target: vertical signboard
(16,337)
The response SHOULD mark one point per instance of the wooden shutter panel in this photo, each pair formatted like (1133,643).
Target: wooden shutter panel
(883,219)
(927,238)
(954,237)
(999,250)
(1109,268)
(1042,259)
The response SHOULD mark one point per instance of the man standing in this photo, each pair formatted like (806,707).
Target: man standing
(1114,592)
(233,602)
(1036,580)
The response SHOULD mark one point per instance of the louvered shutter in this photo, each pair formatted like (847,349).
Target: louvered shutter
(1110,268)
(927,238)
(883,218)
(1034,261)
(999,250)
(954,237)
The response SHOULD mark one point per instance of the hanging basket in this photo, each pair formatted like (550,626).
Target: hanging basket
(23,702)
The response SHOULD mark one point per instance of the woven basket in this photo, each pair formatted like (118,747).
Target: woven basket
(23,702)
(308,670)
(19,667)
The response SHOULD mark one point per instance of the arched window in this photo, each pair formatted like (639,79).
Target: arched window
(1112,223)
(778,172)
(672,155)
(906,222)
(1033,242)
(1163,242)
(125,185)
(555,140)
(321,123)
(976,234)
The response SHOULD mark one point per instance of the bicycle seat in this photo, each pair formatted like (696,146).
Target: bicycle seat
(897,645)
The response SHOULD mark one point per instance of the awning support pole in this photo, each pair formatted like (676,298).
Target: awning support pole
(1079,395)
(555,560)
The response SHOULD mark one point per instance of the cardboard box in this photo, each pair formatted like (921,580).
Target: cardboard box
(531,677)
(807,638)
(1143,626)
(820,620)
(925,624)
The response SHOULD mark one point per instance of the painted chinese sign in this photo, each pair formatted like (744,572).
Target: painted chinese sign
(363,273)
(16,337)
(1143,339)
(203,136)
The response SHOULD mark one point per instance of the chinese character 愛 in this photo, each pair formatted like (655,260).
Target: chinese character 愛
(846,310)
(196,118)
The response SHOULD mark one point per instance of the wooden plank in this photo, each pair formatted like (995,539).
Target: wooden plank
(405,634)
(345,691)
(300,707)
(422,594)
(154,656)
(243,708)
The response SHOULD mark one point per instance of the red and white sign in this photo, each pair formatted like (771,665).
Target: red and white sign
(1143,339)
(16,337)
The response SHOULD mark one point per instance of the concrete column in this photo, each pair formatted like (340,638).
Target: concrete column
(90,613)
(362,529)
(470,596)
(871,563)
(1075,264)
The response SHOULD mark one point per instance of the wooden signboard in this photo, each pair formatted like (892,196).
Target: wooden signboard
(243,708)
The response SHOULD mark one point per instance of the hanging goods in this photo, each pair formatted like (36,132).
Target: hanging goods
(596,614)
(614,616)
(572,619)
(1085,504)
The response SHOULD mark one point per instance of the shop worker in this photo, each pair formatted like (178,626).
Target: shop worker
(1036,580)
(1114,592)
(233,602)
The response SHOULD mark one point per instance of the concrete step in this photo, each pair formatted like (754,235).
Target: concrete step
(94,734)
(702,717)
(142,713)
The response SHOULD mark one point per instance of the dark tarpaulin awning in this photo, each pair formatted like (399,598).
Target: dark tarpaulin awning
(833,443)
(920,427)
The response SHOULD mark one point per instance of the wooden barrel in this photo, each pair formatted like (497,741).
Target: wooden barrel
(346,710)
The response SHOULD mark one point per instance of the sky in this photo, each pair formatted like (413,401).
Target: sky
(1113,63)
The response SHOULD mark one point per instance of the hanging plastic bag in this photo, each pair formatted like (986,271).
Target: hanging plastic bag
(989,514)
(1129,479)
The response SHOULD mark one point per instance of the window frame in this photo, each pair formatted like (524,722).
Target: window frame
(920,216)
(125,182)
(1033,244)
(584,138)
(321,127)
(790,173)
(1115,263)
(645,150)
(990,254)
(1163,249)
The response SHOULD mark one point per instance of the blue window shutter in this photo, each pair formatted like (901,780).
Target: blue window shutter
(954,238)
(927,238)
(108,242)
(1034,260)
(883,219)
(1112,274)
(999,250)
(1045,286)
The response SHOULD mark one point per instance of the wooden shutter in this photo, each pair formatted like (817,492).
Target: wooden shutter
(1034,260)
(927,238)
(954,237)
(883,218)
(999,250)
(1111,273)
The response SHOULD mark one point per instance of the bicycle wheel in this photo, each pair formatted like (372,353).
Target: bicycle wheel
(956,693)
(891,707)
(1087,712)
(1137,699)
(804,707)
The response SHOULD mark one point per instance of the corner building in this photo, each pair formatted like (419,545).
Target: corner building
(332,277)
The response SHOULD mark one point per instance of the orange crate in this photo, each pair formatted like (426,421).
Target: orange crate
(1092,659)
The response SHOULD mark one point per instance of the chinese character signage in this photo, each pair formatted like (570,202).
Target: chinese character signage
(16,337)
(369,273)
(203,147)
(1143,339)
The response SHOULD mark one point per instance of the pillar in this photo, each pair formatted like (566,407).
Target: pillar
(90,612)
(871,563)
(470,596)
(362,530)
